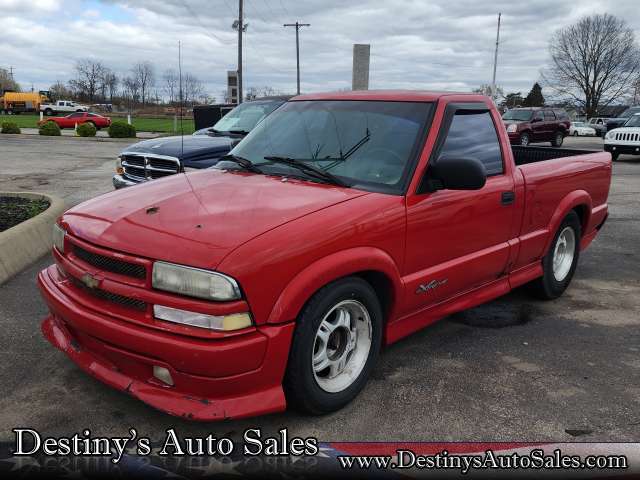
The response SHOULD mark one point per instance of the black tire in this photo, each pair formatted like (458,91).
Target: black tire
(525,140)
(575,134)
(614,156)
(301,388)
(48,112)
(557,140)
(548,287)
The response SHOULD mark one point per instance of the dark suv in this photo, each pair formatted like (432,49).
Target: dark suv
(536,124)
(621,119)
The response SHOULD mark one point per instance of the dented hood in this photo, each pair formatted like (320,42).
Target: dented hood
(197,218)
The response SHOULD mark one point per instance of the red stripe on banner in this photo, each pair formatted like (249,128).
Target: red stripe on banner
(389,448)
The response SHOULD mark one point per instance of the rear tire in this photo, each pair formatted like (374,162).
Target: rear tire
(335,346)
(558,138)
(575,134)
(525,140)
(48,112)
(560,262)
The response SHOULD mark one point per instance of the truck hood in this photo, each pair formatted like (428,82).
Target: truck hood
(197,218)
(188,148)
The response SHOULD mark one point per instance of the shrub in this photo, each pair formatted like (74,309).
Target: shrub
(86,130)
(10,127)
(50,128)
(120,129)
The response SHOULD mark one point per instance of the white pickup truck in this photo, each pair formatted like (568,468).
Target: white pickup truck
(62,106)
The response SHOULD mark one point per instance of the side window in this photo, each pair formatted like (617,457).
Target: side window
(473,135)
(538,116)
(549,116)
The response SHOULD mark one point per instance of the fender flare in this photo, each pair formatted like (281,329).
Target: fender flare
(327,269)
(568,203)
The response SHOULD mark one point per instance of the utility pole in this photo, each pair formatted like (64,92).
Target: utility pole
(495,62)
(297,25)
(240,30)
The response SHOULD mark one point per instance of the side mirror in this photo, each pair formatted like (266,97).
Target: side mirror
(457,174)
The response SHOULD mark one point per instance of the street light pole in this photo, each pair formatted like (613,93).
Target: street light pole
(240,30)
(297,25)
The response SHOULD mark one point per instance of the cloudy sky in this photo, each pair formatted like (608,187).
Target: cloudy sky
(434,44)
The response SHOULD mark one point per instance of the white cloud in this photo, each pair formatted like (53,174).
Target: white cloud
(439,44)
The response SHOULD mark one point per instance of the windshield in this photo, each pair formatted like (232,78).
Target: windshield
(518,115)
(366,144)
(245,116)
(633,121)
(629,112)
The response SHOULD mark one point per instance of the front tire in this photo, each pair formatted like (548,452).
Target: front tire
(614,156)
(560,262)
(335,346)
(558,138)
(525,140)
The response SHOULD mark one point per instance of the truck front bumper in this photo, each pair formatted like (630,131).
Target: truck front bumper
(119,181)
(622,149)
(105,347)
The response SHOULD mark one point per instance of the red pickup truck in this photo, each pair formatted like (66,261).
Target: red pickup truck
(342,223)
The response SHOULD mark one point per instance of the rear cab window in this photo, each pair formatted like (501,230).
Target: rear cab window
(472,134)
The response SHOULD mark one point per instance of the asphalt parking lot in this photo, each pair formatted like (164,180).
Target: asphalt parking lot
(514,369)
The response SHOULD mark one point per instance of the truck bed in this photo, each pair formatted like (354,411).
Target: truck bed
(525,155)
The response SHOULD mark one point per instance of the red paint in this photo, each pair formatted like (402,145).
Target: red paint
(78,118)
(282,241)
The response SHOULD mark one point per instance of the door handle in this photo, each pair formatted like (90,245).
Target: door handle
(507,198)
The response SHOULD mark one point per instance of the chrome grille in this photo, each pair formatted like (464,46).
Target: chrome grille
(142,167)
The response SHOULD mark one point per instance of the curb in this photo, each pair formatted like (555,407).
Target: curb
(23,244)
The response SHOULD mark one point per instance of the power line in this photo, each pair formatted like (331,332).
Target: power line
(196,17)
(283,8)
(257,13)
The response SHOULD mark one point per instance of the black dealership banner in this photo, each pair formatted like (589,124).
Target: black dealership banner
(81,456)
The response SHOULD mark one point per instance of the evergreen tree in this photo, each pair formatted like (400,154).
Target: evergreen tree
(534,98)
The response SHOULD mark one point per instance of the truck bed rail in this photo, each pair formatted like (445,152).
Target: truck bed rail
(523,155)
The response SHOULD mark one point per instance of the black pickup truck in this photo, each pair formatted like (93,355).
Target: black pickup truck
(160,157)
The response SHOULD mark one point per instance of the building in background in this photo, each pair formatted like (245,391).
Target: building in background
(232,86)
(361,54)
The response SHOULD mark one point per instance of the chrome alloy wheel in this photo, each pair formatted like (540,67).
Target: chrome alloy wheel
(563,253)
(341,346)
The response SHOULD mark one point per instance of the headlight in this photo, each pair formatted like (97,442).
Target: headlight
(224,323)
(194,282)
(119,169)
(58,237)
(512,128)
(609,135)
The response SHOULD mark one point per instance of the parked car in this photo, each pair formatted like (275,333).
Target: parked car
(160,157)
(599,124)
(581,129)
(73,119)
(621,119)
(243,118)
(625,139)
(536,124)
(62,106)
(332,229)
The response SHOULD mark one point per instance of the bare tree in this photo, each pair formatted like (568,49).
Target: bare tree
(192,88)
(144,74)
(88,81)
(594,61)
(260,92)
(110,82)
(7,82)
(130,92)
(170,84)
(59,91)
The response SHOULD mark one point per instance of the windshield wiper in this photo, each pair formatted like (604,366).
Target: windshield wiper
(238,131)
(308,169)
(243,162)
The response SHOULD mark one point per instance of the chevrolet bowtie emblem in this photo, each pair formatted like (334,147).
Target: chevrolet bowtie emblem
(90,281)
